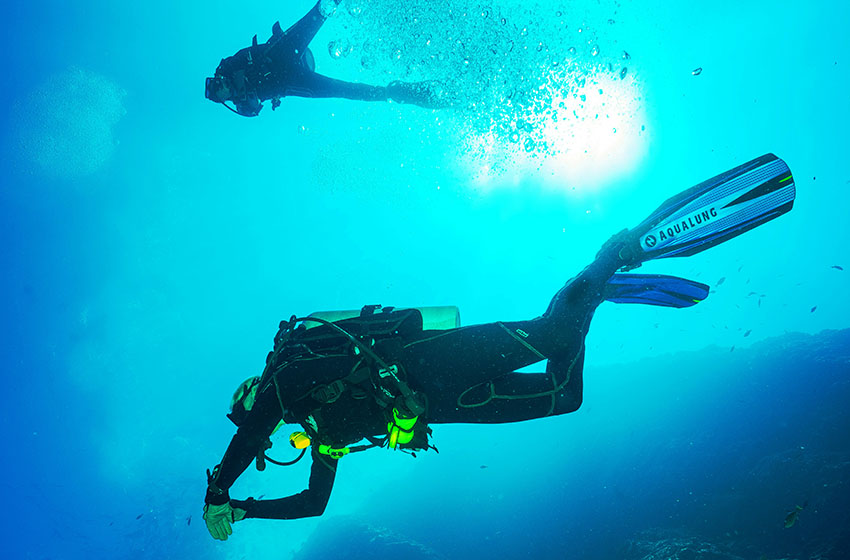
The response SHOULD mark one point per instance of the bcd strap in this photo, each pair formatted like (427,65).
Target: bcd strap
(326,394)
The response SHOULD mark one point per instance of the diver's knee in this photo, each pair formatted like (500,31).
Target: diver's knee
(568,403)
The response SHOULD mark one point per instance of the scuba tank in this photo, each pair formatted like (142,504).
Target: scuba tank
(433,318)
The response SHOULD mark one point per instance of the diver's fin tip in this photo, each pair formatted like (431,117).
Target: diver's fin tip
(718,209)
(655,289)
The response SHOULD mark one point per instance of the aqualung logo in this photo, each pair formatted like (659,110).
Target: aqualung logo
(669,232)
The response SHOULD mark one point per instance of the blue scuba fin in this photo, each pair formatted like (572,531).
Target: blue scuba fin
(716,210)
(654,289)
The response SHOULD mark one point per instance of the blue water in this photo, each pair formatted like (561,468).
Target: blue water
(150,241)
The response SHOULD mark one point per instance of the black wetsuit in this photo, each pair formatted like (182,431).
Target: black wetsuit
(282,66)
(468,375)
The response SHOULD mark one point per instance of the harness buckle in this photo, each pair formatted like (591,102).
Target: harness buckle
(329,393)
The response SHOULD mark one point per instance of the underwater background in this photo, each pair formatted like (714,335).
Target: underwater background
(151,241)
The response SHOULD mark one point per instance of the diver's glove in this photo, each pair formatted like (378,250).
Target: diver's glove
(219,519)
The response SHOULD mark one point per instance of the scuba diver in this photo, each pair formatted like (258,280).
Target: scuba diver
(284,65)
(381,378)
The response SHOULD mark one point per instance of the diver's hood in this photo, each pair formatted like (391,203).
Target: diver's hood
(230,84)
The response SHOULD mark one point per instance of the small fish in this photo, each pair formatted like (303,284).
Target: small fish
(189,520)
(836,267)
(697,71)
(792,516)
(759,302)
(740,267)
(746,334)
(732,349)
(813,309)
(261,496)
(752,294)
(719,282)
(139,516)
(483,466)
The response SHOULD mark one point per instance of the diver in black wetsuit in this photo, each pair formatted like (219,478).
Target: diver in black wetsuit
(463,374)
(284,65)
(356,378)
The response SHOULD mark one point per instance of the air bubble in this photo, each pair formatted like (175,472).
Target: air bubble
(339,49)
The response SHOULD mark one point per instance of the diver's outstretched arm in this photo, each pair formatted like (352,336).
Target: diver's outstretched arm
(303,31)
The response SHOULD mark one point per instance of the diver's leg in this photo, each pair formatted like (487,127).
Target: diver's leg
(560,331)
(585,292)
(469,373)
(514,397)
(479,362)
(310,84)
(429,94)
